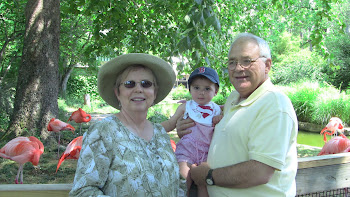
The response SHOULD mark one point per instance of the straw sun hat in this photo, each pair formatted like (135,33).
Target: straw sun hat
(108,73)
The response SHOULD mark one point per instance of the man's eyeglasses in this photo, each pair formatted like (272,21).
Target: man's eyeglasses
(132,84)
(244,63)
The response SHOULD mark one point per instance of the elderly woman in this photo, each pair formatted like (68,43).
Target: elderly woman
(125,154)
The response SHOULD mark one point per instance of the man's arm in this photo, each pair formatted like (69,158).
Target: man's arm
(243,175)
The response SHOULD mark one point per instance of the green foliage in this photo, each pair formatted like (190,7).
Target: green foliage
(298,66)
(155,116)
(331,103)
(284,45)
(161,112)
(181,93)
(318,102)
(220,99)
(6,104)
(293,63)
(303,97)
(79,85)
(339,70)
(12,25)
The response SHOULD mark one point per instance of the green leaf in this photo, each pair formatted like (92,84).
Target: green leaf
(199,2)
(184,44)
(214,22)
(207,61)
(187,19)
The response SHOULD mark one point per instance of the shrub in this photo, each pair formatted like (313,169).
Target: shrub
(180,93)
(303,96)
(317,102)
(338,71)
(79,85)
(298,66)
(161,112)
(219,99)
(7,97)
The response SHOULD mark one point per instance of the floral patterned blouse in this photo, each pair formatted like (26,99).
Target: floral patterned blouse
(115,162)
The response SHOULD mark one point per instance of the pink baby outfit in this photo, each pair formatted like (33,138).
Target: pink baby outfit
(193,148)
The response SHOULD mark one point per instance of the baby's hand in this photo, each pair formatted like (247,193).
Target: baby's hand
(216,119)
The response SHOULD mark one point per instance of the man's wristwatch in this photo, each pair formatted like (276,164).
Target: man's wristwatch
(209,179)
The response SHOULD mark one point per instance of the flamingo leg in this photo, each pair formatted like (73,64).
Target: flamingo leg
(20,168)
(80,129)
(22,174)
(58,144)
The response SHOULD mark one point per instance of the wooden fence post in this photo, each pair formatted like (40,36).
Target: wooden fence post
(87,100)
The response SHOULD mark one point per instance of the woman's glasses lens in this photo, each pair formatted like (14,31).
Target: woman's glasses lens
(132,84)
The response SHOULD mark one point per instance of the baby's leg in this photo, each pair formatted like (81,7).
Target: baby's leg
(184,169)
(202,191)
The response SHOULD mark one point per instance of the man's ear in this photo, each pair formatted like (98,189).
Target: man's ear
(268,65)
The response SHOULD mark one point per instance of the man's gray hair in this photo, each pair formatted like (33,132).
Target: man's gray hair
(263,46)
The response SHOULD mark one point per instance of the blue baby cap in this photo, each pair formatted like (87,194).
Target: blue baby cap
(209,73)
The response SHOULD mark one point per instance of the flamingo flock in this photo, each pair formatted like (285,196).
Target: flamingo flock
(337,144)
(29,149)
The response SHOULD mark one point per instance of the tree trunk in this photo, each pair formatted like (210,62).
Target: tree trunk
(64,80)
(38,77)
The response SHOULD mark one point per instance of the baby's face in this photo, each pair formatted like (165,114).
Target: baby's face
(202,90)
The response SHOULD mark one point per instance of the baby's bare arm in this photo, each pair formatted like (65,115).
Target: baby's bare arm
(170,124)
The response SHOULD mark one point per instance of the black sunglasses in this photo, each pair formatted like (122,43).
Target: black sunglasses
(132,84)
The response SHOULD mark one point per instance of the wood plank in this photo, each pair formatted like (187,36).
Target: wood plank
(323,160)
(29,187)
(41,193)
(323,178)
(35,190)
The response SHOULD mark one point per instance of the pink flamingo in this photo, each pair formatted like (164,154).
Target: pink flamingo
(173,145)
(23,150)
(57,125)
(338,144)
(80,116)
(72,151)
(334,125)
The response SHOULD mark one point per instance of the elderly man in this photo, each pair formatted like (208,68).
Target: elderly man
(253,150)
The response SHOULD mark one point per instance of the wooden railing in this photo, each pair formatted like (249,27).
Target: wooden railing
(323,173)
(315,174)
(35,190)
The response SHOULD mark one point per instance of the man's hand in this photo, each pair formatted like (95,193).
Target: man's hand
(199,173)
(182,126)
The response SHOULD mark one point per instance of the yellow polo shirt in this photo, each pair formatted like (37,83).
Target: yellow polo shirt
(264,128)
